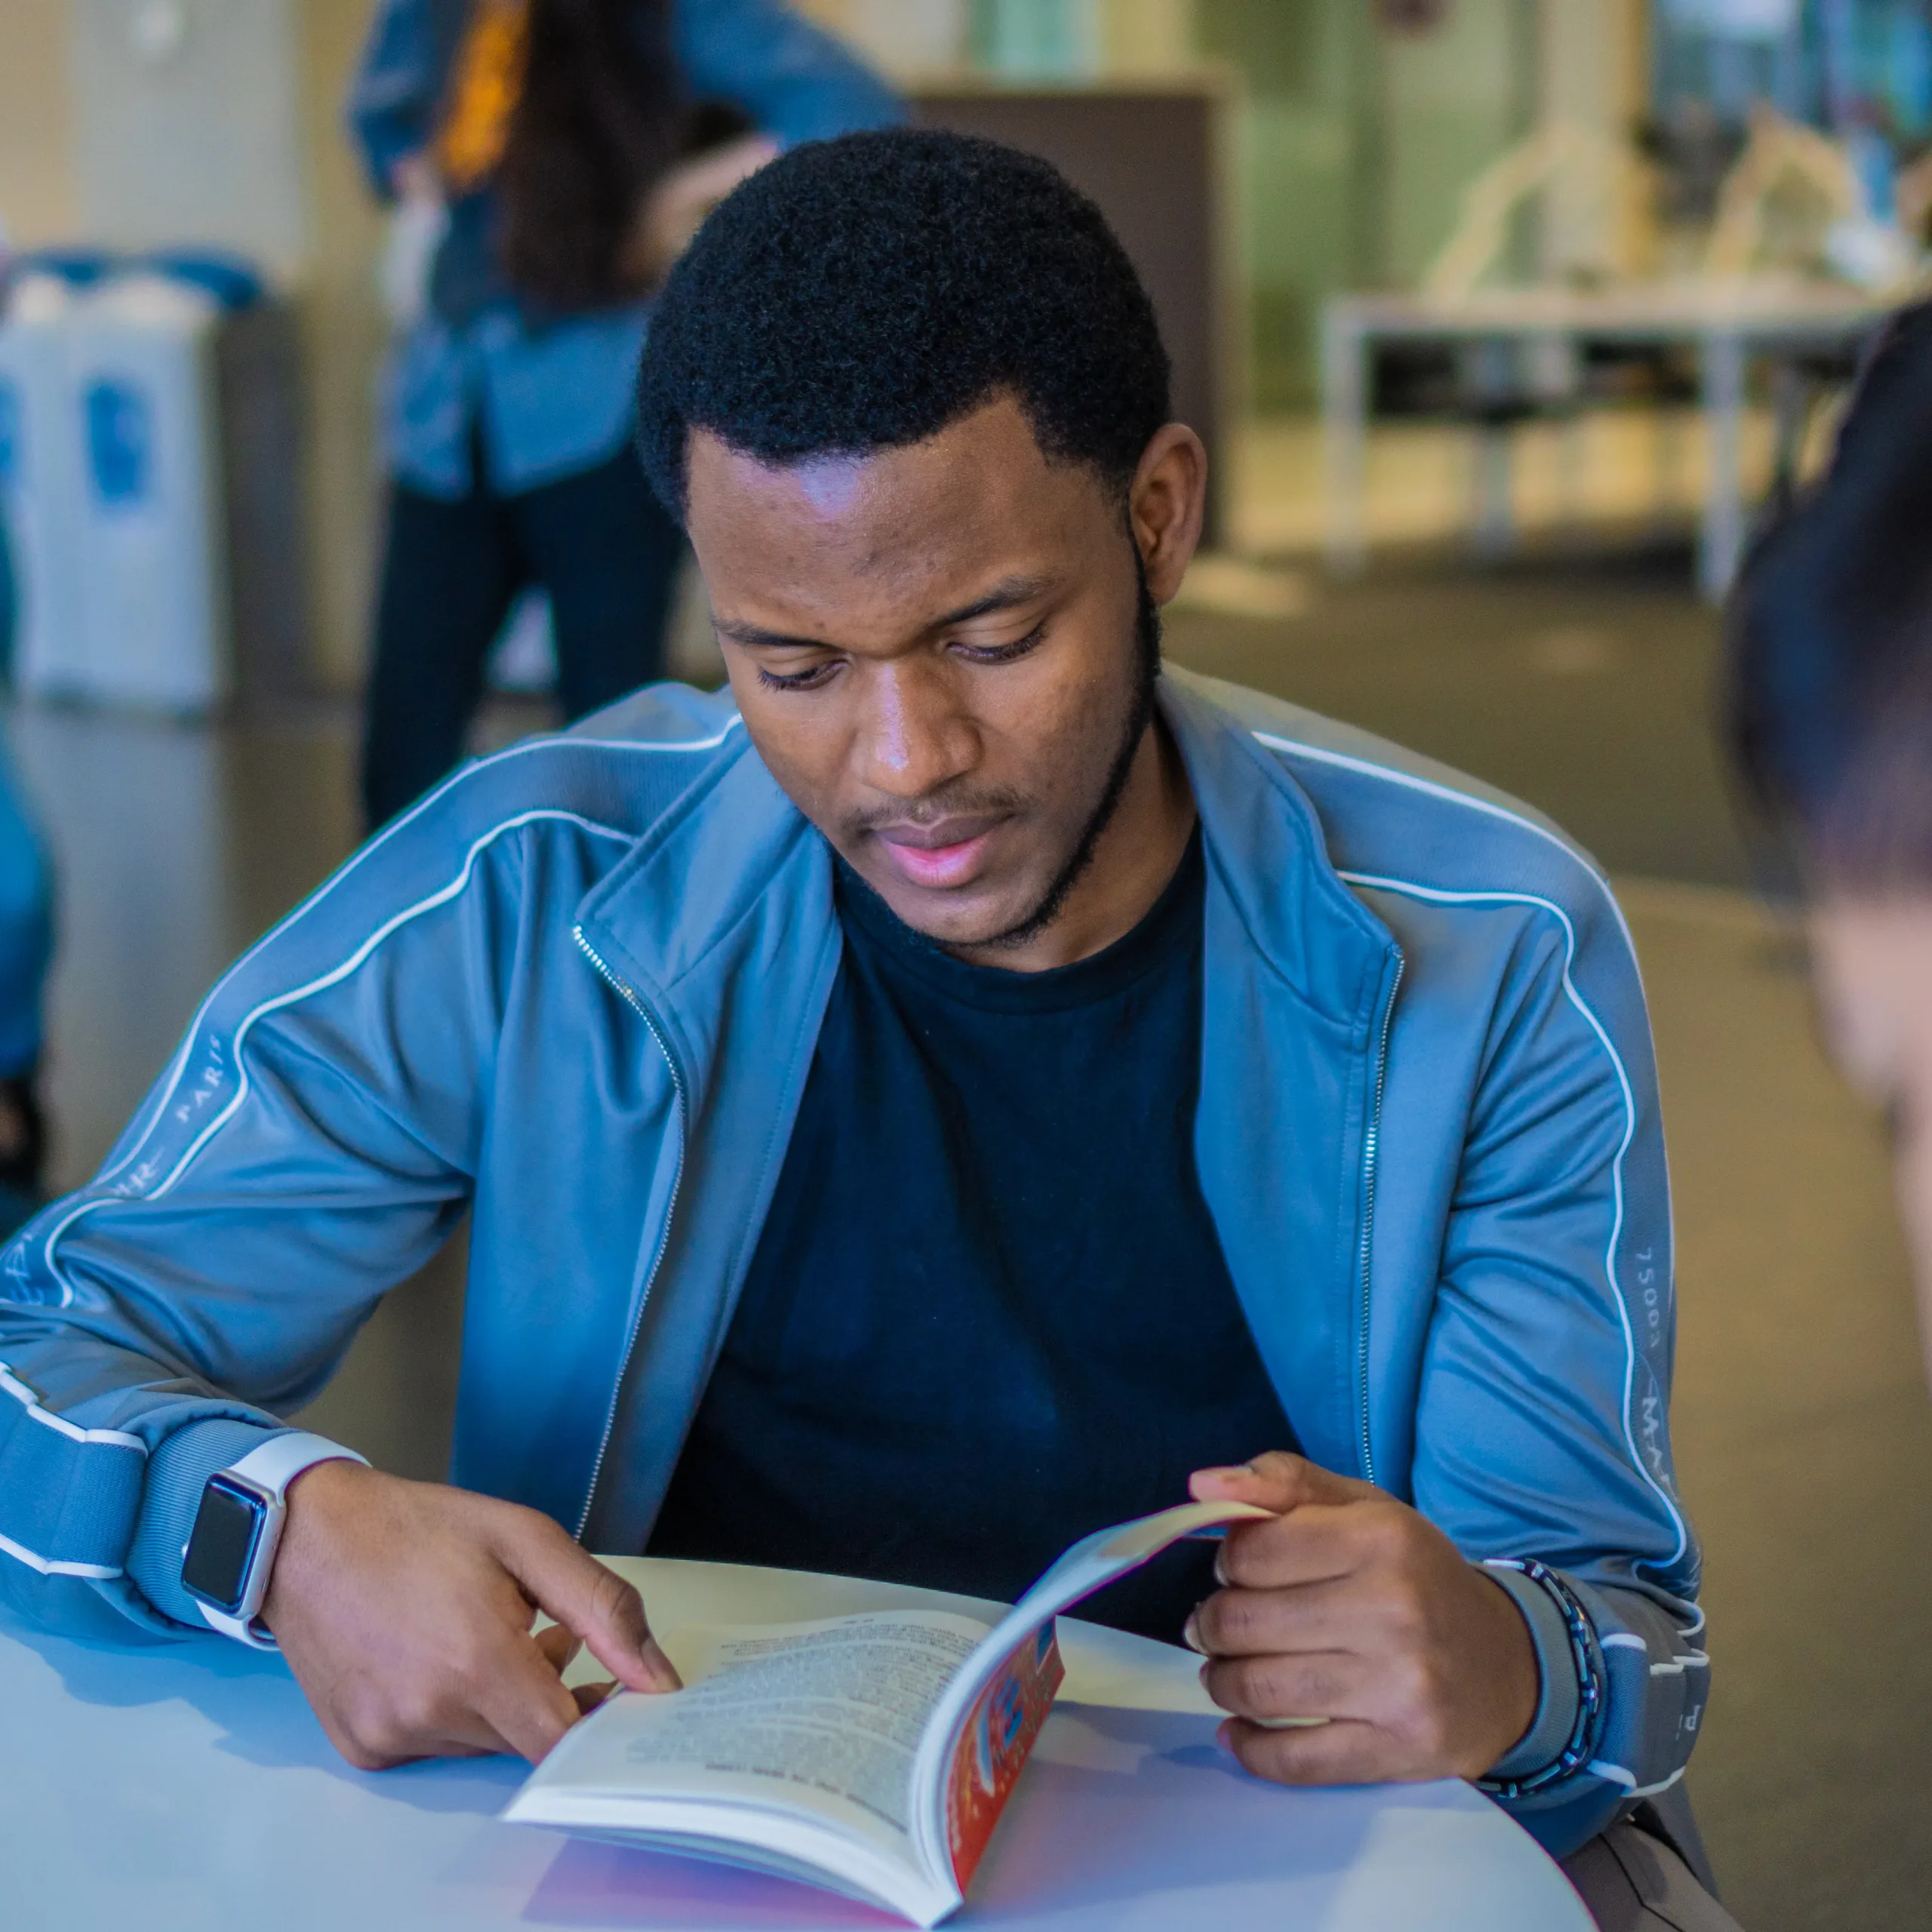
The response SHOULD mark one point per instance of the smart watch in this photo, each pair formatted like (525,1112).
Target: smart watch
(226,1561)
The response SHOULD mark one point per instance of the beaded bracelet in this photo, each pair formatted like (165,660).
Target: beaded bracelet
(1582,1746)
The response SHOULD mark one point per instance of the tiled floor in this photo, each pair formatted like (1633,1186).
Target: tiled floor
(1805,1436)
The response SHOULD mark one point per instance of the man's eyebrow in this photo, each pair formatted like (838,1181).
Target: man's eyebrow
(1008,591)
(756,634)
(1003,596)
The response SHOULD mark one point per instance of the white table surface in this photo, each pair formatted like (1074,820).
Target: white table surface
(189,1788)
(1725,321)
(1772,307)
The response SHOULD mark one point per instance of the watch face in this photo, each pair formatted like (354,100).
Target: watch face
(227,1528)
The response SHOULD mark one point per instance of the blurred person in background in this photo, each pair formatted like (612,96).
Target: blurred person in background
(26,945)
(550,158)
(1828,707)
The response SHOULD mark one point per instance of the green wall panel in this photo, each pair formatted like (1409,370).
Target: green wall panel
(1354,150)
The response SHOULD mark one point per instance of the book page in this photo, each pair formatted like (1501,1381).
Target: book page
(1098,1559)
(981,1730)
(825,1718)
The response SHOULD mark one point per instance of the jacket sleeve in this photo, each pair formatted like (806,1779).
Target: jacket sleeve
(311,1144)
(1543,1430)
(391,100)
(796,81)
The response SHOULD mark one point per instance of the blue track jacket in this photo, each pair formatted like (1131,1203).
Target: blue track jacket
(575,993)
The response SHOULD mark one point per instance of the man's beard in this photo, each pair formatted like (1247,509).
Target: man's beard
(1140,716)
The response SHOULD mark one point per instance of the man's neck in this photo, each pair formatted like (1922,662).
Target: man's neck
(1137,854)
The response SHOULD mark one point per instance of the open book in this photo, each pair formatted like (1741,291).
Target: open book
(871,1754)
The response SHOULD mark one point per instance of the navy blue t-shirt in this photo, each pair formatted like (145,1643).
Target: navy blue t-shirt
(988,1311)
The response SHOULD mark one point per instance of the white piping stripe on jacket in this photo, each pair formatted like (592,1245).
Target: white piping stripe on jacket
(1408,779)
(1435,896)
(526,749)
(25,1397)
(1622,1640)
(98,1572)
(1616,1774)
(1298,748)
(358,957)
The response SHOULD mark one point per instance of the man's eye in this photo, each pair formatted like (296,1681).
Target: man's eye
(797,681)
(1003,653)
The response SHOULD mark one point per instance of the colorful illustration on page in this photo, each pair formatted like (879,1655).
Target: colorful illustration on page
(993,1745)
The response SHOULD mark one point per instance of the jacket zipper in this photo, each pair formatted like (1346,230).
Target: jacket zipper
(638,1007)
(1370,1147)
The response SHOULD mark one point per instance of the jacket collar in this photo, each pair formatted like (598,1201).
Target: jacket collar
(1268,855)
(732,854)
(734,836)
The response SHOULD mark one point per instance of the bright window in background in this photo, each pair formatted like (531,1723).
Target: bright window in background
(1837,63)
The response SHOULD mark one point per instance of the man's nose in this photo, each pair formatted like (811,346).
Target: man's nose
(913,735)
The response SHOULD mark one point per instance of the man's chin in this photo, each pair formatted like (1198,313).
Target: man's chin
(962,918)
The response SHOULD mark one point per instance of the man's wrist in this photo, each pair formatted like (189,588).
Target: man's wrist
(1561,1737)
(228,1559)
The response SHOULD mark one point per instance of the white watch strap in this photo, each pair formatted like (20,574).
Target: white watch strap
(272,1467)
(282,1458)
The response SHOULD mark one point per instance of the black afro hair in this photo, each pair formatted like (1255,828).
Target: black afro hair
(863,293)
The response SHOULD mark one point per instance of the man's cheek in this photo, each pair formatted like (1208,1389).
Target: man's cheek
(801,755)
(1052,740)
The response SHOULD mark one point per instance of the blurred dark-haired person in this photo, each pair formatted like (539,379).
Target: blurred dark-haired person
(26,949)
(962,1086)
(1828,706)
(544,154)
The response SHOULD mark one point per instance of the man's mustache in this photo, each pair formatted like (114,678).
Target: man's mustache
(948,801)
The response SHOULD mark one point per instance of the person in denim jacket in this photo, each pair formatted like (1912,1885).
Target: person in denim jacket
(548,159)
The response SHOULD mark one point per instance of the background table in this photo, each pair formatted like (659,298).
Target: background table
(1726,324)
(182,1789)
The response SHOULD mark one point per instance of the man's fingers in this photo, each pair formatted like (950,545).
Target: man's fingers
(597,1604)
(589,1696)
(1315,1543)
(1318,1684)
(1345,1752)
(1279,1482)
(376,1733)
(524,1701)
(559,1644)
(1327,1616)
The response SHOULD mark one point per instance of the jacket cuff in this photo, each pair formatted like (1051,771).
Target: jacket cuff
(1559,1699)
(178,1471)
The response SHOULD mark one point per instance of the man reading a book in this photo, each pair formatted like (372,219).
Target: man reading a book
(965,1084)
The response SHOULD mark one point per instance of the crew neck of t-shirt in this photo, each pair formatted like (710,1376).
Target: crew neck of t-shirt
(1172,922)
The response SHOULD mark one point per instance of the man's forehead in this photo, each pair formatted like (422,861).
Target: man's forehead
(986,464)
(831,485)
(938,526)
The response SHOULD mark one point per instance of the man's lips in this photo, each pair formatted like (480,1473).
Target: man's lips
(947,854)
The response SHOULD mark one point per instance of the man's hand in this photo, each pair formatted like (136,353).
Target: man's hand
(1350,1606)
(413,177)
(405,1610)
(675,208)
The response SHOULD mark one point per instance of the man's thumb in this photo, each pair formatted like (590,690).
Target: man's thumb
(1277,1481)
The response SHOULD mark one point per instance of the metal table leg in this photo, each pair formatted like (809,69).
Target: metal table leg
(1720,357)
(1345,439)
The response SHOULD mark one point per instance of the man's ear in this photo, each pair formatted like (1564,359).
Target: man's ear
(1165,506)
